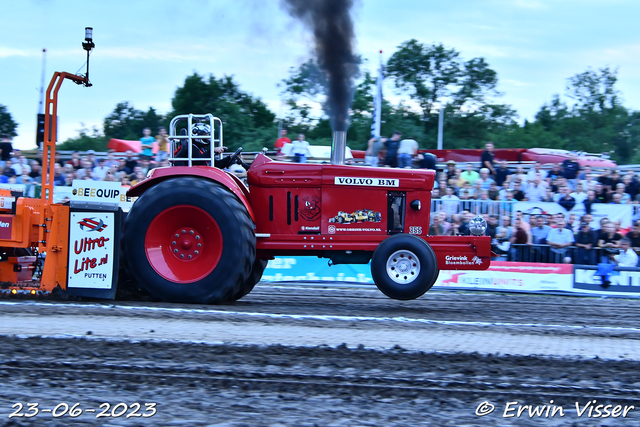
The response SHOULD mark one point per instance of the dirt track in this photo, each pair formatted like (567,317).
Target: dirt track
(255,385)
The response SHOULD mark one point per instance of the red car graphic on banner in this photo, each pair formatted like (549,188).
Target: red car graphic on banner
(90,224)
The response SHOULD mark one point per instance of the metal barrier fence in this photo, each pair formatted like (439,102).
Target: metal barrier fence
(476,207)
(492,207)
(547,254)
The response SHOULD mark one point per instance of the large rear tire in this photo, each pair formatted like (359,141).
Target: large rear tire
(404,267)
(189,240)
(256,274)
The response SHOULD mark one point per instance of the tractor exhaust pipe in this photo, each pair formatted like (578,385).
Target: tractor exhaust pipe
(338,147)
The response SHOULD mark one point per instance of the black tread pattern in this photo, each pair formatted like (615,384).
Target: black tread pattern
(256,274)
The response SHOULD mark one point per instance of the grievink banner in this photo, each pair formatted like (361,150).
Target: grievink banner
(511,276)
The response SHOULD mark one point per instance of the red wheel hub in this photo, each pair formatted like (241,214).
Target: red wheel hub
(186,243)
(183,244)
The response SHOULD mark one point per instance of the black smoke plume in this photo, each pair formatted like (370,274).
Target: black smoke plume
(334,39)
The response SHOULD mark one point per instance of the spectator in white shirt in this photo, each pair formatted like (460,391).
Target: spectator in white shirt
(536,191)
(19,164)
(502,194)
(484,180)
(627,256)
(533,173)
(520,174)
(450,202)
(110,162)
(579,194)
(100,171)
(406,152)
(85,171)
(300,149)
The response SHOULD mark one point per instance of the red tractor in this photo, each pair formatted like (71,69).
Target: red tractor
(198,234)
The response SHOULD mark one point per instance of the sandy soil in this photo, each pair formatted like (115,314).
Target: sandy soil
(242,377)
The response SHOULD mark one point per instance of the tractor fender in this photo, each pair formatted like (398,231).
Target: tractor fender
(228,181)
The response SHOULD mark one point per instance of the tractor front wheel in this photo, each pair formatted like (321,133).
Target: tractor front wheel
(404,267)
(189,240)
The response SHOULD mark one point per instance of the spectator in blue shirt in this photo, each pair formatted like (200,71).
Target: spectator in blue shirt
(539,231)
(147,143)
(570,167)
(502,174)
(485,181)
(392,144)
(559,239)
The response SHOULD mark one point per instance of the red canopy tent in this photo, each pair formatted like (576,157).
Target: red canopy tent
(121,145)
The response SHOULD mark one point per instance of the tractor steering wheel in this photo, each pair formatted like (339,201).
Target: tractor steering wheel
(234,157)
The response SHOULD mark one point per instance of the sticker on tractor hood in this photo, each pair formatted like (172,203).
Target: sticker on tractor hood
(361,215)
(367,182)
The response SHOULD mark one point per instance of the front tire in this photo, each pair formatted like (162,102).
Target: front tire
(189,240)
(404,267)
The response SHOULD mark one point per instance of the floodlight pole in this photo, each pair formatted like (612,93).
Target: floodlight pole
(440,127)
(88,45)
(49,144)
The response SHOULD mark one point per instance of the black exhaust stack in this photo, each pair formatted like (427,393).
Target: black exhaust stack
(333,31)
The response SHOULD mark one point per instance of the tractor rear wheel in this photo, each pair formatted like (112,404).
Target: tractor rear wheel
(189,240)
(404,267)
(256,274)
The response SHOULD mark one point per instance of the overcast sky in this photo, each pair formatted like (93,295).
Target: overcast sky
(145,49)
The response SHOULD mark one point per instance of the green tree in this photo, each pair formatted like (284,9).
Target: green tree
(86,140)
(7,125)
(427,73)
(247,120)
(476,82)
(126,122)
(303,92)
(434,75)
(631,135)
(594,91)
(595,121)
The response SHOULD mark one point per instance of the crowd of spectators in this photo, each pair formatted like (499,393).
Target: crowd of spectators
(127,170)
(463,191)
(565,183)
